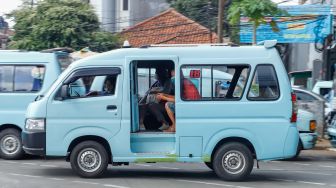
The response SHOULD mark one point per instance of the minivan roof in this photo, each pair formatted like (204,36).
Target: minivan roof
(8,56)
(195,52)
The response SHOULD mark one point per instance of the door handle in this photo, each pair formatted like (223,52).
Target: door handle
(111,107)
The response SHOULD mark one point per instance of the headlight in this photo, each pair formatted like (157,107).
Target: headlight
(35,125)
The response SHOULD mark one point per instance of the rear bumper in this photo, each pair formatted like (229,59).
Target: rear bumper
(34,143)
(308,140)
(291,143)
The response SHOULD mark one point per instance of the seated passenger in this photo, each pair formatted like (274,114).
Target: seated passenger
(170,104)
(156,109)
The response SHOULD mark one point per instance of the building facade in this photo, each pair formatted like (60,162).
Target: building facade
(117,15)
(3,33)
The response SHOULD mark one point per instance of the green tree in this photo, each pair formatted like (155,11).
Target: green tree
(58,23)
(256,11)
(206,14)
(200,11)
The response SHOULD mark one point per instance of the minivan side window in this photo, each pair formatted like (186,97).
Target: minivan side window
(28,78)
(264,85)
(6,78)
(92,86)
(21,78)
(213,82)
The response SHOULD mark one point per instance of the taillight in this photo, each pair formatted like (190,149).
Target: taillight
(294,108)
(312,125)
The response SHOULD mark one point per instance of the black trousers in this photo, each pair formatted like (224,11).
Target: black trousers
(155,116)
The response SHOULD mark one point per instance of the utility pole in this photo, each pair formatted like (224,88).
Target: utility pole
(220,20)
(209,20)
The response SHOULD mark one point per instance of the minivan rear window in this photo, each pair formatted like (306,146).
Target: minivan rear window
(21,78)
(264,85)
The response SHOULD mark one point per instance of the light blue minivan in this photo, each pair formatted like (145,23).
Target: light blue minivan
(23,77)
(232,105)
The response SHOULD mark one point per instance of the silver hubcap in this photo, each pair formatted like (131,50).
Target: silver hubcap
(89,160)
(10,144)
(233,162)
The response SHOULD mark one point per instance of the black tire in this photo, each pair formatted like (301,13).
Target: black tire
(233,152)
(90,149)
(298,150)
(209,165)
(11,144)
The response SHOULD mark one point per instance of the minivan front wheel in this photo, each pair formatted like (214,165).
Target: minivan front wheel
(233,162)
(89,159)
(11,144)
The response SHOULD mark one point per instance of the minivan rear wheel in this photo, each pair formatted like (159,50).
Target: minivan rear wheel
(233,161)
(89,159)
(11,144)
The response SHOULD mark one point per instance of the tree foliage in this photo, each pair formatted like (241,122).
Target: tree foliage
(59,23)
(256,11)
(200,11)
(206,14)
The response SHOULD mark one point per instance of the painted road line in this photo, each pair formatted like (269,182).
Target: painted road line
(327,166)
(303,164)
(57,179)
(25,175)
(312,183)
(31,176)
(305,182)
(115,186)
(215,184)
(52,166)
(314,173)
(286,180)
(86,182)
(12,162)
(29,163)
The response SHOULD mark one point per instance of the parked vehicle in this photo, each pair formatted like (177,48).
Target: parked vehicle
(23,77)
(306,124)
(94,114)
(332,132)
(324,88)
(308,97)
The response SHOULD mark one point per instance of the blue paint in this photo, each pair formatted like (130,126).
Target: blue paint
(314,28)
(200,125)
(14,104)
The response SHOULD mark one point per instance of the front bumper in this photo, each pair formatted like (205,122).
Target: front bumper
(308,140)
(332,135)
(34,143)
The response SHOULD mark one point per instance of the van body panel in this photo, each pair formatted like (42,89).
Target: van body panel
(14,104)
(73,118)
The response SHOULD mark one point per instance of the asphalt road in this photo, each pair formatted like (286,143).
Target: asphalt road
(316,168)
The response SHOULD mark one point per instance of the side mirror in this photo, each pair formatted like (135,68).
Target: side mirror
(64,92)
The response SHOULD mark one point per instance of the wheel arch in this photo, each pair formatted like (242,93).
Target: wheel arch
(10,126)
(241,140)
(233,135)
(98,139)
